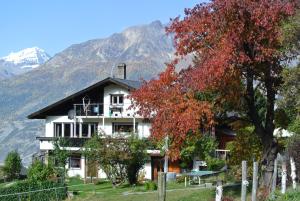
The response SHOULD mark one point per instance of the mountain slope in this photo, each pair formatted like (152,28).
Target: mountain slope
(144,49)
(23,61)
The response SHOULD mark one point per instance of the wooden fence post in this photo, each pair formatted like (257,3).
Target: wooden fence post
(254,180)
(283,175)
(293,172)
(161,186)
(274,179)
(244,181)
(219,191)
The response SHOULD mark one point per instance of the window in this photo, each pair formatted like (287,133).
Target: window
(85,130)
(124,127)
(74,161)
(67,130)
(94,128)
(77,130)
(58,129)
(117,99)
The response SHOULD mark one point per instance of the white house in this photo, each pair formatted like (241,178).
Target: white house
(102,107)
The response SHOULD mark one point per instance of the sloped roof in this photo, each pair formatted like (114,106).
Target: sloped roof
(129,84)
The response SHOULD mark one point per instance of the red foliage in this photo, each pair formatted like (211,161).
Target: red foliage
(228,35)
(174,108)
(228,38)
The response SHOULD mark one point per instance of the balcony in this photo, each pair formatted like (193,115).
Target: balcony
(67,142)
(92,109)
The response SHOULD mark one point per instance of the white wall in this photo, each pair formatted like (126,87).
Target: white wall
(147,169)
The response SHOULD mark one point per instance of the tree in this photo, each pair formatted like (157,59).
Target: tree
(195,146)
(40,172)
(12,165)
(239,47)
(60,156)
(289,101)
(120,157)
(247,146)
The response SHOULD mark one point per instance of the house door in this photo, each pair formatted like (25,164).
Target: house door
(157,165)
(92,169)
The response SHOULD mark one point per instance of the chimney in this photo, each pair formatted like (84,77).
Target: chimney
(120,66)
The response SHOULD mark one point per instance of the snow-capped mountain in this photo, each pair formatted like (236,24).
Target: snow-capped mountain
(23,61)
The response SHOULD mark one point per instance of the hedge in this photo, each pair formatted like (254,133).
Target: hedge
(25,186)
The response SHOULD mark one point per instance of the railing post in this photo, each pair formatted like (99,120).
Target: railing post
(293,172)
(244,181)
(219,191)
(161,186)
(254,180)
(274,178)
(283,174)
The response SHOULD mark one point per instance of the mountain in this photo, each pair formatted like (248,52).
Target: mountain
(144,49)
(23,61)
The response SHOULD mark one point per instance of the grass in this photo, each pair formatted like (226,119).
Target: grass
(291,195)
(103,191)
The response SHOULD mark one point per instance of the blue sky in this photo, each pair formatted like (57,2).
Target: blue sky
(56,24)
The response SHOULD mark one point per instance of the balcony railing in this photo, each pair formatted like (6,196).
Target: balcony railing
(66,142)
(92,109)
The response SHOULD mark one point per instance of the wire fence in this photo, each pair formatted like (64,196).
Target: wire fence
(54,194)
(28,195)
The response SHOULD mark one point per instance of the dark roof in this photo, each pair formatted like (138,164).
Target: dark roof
(129,84)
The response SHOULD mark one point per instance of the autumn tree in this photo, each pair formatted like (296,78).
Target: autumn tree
(240,48)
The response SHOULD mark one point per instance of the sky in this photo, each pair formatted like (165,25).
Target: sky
(54,25)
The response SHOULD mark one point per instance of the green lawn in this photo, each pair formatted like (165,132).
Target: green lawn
(104,192)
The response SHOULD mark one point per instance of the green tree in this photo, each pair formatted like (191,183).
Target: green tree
(40,172)
(137,159)
(12,165)
(289,101)
(120,157)
(60,156)
(247,146)
(201,147)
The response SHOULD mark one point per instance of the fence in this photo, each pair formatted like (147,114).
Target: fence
(245,182)
(36,195)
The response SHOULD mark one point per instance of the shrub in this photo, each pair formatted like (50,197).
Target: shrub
(12,165)
(25,186)
(214,164)
(150,185)
(40,172)
(247,146)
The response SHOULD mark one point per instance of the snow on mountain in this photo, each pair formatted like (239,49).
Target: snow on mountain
(23,61)
(34,56)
